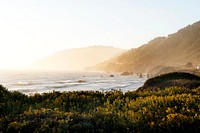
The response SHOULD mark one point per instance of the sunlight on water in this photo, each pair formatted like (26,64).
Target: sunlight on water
(32,82)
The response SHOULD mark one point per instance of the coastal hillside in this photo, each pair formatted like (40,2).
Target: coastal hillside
(177,51)
(76,59)
(178,79)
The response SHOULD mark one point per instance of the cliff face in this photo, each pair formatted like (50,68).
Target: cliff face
(176,50)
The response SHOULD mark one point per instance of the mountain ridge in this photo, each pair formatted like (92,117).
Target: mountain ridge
(77,58)
(175,50)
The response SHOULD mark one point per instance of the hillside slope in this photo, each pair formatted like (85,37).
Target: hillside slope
(178,79)
(76,59)
(176,50)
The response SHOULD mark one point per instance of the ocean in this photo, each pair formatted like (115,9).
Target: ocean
(29,82)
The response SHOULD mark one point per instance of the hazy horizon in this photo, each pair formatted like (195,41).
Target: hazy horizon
(32,30)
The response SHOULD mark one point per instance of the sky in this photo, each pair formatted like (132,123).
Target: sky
(33,29)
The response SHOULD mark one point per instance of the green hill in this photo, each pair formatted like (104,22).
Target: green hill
(178,79)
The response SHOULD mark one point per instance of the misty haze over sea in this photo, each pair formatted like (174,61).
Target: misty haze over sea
(29,82)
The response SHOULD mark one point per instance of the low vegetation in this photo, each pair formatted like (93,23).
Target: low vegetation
(173,109)
(180,79)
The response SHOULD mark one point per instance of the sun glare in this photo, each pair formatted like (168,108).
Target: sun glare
(31,30)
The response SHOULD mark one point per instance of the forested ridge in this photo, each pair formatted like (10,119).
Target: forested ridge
(173,109)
